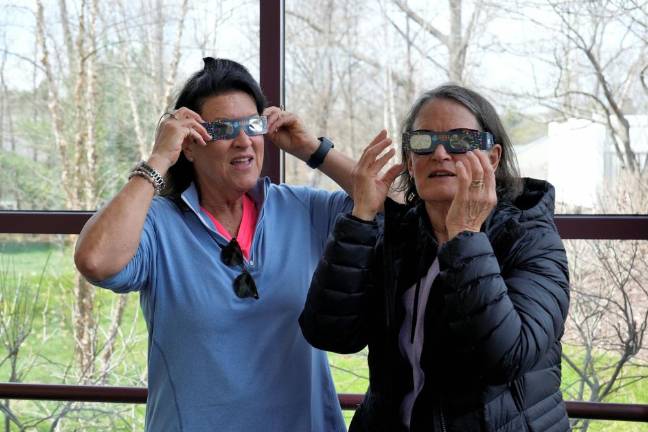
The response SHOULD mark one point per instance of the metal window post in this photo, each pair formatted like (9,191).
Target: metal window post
(272,75)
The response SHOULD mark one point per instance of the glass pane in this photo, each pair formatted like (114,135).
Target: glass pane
(44,309)
(77,416)
(78,110)
(567,78)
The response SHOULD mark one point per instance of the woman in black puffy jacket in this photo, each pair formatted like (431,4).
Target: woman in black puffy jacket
(461,294)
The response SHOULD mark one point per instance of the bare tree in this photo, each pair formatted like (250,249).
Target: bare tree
(457,40)
(148,79)
(598,56)
(609,309)
(77,144)
(18,308)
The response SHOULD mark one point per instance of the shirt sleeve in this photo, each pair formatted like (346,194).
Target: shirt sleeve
(135,276)
(325,207)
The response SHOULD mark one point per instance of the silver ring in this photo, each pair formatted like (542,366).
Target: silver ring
(167,115)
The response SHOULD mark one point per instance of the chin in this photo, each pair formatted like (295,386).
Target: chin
(249,181)
(437,195)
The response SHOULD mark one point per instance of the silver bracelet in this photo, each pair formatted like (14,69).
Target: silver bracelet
(143,169)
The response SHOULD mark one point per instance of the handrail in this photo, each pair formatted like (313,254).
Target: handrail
(83,393)
(581,227)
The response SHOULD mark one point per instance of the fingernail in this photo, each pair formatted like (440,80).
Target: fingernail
(459,163)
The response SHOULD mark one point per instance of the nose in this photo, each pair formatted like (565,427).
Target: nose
(440,153)
(242,139)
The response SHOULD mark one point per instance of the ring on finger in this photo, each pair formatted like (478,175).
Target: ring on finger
(477,184)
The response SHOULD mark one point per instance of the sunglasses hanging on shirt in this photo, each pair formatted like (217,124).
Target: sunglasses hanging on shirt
(244,285)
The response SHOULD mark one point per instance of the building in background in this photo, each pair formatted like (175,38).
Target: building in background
(578,157)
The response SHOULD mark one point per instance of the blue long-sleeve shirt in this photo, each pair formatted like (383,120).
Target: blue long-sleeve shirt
(217,362)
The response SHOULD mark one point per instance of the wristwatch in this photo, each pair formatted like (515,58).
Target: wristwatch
(317,158)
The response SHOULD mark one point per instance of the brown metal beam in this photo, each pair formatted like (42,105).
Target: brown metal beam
(589,410)
(585,227)
(272,77)
(43,222)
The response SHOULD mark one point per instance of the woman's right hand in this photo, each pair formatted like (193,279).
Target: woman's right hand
(369,187)
(180,128)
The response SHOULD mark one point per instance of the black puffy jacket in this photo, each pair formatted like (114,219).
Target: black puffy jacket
(493,321)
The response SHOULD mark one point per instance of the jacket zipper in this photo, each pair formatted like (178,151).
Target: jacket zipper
(438,418)
(516,393)
(441,416)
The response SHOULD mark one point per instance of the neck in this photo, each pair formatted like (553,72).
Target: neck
(437,213)
(227,209)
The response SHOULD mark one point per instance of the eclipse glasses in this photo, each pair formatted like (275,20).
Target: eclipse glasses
(229,129)
(454,141)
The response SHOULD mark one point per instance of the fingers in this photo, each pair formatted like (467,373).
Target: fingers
(480,174)
(375,147)
(382,160)
(372,155)
(474,166)
(377,140)
(196,126)
(391,174)
(280,120)
(184,118)
(273,114)
(188,128)
(464,177)
(194,137)
(184,113)
(487,167)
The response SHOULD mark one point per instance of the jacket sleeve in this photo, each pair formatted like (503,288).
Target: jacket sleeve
(336,314)
(505,320)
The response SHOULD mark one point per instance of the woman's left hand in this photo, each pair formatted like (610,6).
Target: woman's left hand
(287,131)
(475,197)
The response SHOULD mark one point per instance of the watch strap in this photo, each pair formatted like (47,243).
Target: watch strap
(317,158)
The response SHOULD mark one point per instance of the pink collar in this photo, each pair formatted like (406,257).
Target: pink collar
(246,228)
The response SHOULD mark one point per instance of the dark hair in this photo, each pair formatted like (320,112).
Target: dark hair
(218,76)
(507,176)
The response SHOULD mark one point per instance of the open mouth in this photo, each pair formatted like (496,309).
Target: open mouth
(441,174)
(242,161)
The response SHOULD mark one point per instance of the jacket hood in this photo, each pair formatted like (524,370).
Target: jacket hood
(535,205)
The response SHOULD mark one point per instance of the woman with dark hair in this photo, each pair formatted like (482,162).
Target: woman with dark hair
(222,260)
(461,294)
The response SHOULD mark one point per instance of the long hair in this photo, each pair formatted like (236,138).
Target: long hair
(507,175)
(217,77)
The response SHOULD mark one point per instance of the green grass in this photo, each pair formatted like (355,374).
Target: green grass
(48,352)
(351,375)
